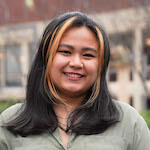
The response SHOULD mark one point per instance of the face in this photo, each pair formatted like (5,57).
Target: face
(75,65)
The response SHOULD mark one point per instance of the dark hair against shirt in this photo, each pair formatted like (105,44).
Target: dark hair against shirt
(38,115)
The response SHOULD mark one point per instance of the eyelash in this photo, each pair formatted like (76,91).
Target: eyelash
(67,52)
(88,55)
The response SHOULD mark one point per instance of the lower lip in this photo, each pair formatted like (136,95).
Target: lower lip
(74,78)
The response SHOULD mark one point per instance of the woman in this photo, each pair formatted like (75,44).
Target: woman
(68,105)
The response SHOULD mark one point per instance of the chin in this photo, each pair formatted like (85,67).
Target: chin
(74,90)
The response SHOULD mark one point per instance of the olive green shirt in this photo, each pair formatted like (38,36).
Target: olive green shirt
(131,133)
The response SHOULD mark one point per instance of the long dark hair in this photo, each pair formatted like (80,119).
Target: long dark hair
(38,116)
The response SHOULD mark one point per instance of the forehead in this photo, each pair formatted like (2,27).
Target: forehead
(79,34)
(79,30)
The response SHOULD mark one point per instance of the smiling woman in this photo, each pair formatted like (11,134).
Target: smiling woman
(68,104)
(75,65)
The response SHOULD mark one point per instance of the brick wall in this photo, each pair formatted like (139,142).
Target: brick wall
(19,11)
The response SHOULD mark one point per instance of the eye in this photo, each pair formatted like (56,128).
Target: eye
(88,55)
(64,52)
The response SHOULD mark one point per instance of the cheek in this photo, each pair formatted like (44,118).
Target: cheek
(58,62)
(92,68)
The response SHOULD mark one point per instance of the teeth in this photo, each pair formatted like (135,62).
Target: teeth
(74,75)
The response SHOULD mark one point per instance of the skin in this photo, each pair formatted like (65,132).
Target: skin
(74,70)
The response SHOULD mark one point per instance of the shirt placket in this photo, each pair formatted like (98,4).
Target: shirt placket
(57,137)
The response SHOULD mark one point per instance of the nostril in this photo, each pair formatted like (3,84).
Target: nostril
(76,61)
(76,64)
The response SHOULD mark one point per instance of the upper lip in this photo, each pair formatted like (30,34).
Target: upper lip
(77,73)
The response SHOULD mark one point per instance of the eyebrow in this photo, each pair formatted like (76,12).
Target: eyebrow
(84,49)
(66,45)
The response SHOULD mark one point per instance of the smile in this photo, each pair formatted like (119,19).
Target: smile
(73,76)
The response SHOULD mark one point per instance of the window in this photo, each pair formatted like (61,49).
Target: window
(131,75)
(125,39)
(10,71)
(131,101)
(148,103)
(112,74)
(146,54)
(121,49)
(1,66)
(32,51)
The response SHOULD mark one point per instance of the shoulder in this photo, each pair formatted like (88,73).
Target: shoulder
(133,126)
(125,109)
(129,115)
(11,112)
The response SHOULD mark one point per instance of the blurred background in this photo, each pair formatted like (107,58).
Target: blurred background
(127,23)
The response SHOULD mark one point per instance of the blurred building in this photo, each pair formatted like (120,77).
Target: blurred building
(126,22)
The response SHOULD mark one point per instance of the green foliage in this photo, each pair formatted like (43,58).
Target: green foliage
(146,116)
(6,104)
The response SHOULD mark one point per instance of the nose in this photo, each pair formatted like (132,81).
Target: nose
(76,62)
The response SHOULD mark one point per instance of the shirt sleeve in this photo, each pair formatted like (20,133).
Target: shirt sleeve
(141,135)
(6,116)
(3,140)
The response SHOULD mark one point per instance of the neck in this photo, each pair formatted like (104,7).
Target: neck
(63,110)
(69,105)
